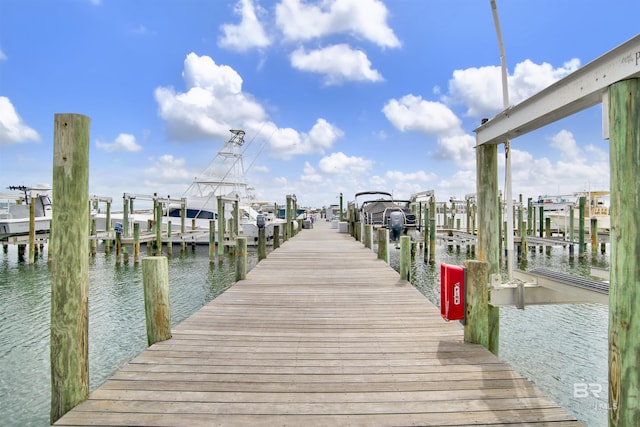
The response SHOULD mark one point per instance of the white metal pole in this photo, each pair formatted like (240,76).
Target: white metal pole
(507,146)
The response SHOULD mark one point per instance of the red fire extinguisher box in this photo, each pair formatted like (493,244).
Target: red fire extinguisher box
(452,292)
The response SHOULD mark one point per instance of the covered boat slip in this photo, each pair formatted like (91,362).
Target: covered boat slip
(320,333)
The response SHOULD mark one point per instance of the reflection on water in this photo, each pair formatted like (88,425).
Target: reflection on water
(562,348)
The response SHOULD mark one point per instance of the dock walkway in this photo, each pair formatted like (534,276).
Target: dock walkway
(320,333)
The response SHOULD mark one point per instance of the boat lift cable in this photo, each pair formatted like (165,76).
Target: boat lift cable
(507,148)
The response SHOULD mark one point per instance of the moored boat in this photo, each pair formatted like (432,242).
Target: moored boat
(15,207)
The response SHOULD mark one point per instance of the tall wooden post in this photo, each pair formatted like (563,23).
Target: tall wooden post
(488,226)
(624,290)
(220,226)
(383,244)
(158,227)
(32,231)
(368,236)
(262,244)
(212,240)
(125,216)
(107,219)
(155,278)
(69,257)
(276,236)
(241,258)
(476,328)
(136,242)
(405,257)
(581,244)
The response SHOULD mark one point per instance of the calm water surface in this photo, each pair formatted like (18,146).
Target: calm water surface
(554,346)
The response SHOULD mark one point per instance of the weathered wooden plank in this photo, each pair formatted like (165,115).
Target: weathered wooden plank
(320,333)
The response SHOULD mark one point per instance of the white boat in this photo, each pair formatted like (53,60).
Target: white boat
(224,177)
(596,206)
(14,211)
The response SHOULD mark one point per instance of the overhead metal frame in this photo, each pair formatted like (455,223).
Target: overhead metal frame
(580,90)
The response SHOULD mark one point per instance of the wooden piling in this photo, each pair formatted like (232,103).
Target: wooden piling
(69,258)
(155,280)
(212,240)
(276,236)
(593,234)
(489,226)
(136,243)
(476,328)
(405,258)
(220,226)
(383,244)
(32,231)
(432,240)
(368,236)
(262,244)
(581,243)
(624,290)
(241,258)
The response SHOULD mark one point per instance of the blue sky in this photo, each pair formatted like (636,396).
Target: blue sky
(334,95)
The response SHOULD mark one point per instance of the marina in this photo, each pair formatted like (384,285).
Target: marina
(351,344)
(322,331)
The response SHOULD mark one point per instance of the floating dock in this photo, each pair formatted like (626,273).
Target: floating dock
(321,332)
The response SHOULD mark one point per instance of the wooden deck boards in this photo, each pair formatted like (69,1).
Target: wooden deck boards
(320,333)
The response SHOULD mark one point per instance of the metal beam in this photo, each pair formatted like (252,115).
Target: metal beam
(581,89)
(542,290)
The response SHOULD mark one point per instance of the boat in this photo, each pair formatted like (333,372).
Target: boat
(557,208)
(223,178)
(380,209)
(15,207)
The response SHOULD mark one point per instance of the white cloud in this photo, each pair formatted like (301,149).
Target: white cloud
(480,89)
(341,164)
(3,56)
(286,143)
(566,144)
(213,103)
(249,33)
(412,113)
(12,129)
(338,63)
(367,19)
(168,173)
(123,142)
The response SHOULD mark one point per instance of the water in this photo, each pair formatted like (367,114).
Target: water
(117,329)
(562,348)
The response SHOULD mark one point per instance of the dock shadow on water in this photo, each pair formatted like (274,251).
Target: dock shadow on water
(563,348)
(117,329)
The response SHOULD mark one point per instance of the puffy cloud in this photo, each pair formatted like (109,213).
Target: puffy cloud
(566,144)
(286,143)
(412,113)
(123,142)
(213,103)
(340,164)
(480,89)
(338,63)
(302,21)
(12,129)
(249,33)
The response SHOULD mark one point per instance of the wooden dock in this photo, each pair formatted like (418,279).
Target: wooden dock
(320,333)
